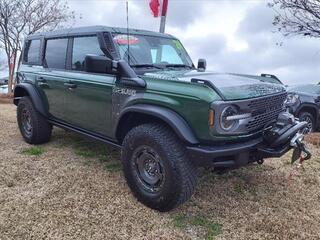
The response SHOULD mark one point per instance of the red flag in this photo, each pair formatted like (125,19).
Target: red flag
(154,6)
(164,8)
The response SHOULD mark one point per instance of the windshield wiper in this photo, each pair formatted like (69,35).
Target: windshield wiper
(146,66)
(179,65)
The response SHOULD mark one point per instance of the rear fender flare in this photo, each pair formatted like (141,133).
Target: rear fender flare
(27,89)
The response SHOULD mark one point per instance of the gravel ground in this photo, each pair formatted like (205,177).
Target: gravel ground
(73,188)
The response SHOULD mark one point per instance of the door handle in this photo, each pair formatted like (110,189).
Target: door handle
(70,85)
(41,80)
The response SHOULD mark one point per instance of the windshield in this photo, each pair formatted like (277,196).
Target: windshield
(152,51)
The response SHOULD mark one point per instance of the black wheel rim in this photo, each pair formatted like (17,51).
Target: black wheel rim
(26,122)
(149,169)
(309,127)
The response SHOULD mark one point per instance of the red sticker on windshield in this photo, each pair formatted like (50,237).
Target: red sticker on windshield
(125,39)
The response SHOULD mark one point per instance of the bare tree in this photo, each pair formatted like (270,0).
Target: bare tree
(19,18)
(297,17)
(3,65)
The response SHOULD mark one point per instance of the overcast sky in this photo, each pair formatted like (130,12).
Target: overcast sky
(234,36)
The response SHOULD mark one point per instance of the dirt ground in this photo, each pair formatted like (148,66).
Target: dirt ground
(72,188)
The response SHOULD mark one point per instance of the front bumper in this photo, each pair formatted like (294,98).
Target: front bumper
(236,155)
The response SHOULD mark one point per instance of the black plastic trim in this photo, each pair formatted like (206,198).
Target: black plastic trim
(128,77)
(69,54)
(266,152)
(308,105)
(85,132)
(33,94)
(224,150)
(231,155)
(288,134)
(173,119)
(234,155)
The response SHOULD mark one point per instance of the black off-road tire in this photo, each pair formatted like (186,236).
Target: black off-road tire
(179,175)
(38,130)
(309,118)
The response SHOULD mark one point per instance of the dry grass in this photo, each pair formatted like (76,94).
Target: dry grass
(314,139)
(74,189)
(5,98)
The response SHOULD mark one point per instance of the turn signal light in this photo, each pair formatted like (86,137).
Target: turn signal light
(211,117)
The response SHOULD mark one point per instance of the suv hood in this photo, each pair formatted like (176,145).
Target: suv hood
(228,86)
(305,89)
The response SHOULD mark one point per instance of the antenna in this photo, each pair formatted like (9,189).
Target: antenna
(127,8)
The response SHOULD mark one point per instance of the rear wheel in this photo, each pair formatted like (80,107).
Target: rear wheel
(309,118)
(34,128)
(157,168)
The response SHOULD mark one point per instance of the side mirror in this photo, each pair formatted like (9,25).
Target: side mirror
(102,64)
(98,64)
(202,65)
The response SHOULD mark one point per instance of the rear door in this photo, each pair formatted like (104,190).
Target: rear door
(89,96)
(51,80)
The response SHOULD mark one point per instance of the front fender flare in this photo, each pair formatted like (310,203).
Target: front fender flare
(173,119)
(28,89)
(308,105)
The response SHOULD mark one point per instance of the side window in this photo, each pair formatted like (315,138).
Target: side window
(81,47)
(32,52)
(56,52)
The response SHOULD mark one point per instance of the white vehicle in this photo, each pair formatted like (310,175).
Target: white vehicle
(4,89)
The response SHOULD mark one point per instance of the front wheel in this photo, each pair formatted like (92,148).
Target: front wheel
(311,124)
(157,168)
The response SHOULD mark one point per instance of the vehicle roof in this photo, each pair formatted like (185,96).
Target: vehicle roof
(94,29)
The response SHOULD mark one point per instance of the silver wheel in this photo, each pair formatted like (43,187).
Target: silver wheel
(308,118)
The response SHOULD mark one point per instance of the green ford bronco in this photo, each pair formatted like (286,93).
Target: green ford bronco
(139,91)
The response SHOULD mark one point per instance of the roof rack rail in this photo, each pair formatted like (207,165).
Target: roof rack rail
(269,76)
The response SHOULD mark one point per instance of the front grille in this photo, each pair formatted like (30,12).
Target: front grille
(265,110)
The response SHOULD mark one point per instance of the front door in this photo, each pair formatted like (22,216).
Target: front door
(89,95)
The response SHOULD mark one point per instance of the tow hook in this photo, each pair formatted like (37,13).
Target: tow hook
(300,152)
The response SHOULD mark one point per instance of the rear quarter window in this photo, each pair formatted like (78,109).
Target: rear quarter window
(56,53)
(32,52)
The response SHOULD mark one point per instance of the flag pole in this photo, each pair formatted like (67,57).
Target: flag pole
(163,15)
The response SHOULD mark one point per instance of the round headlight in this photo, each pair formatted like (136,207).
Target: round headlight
(292,99)
(227,124)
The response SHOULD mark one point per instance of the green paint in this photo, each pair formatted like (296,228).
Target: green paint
(99,99)
(90,105)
